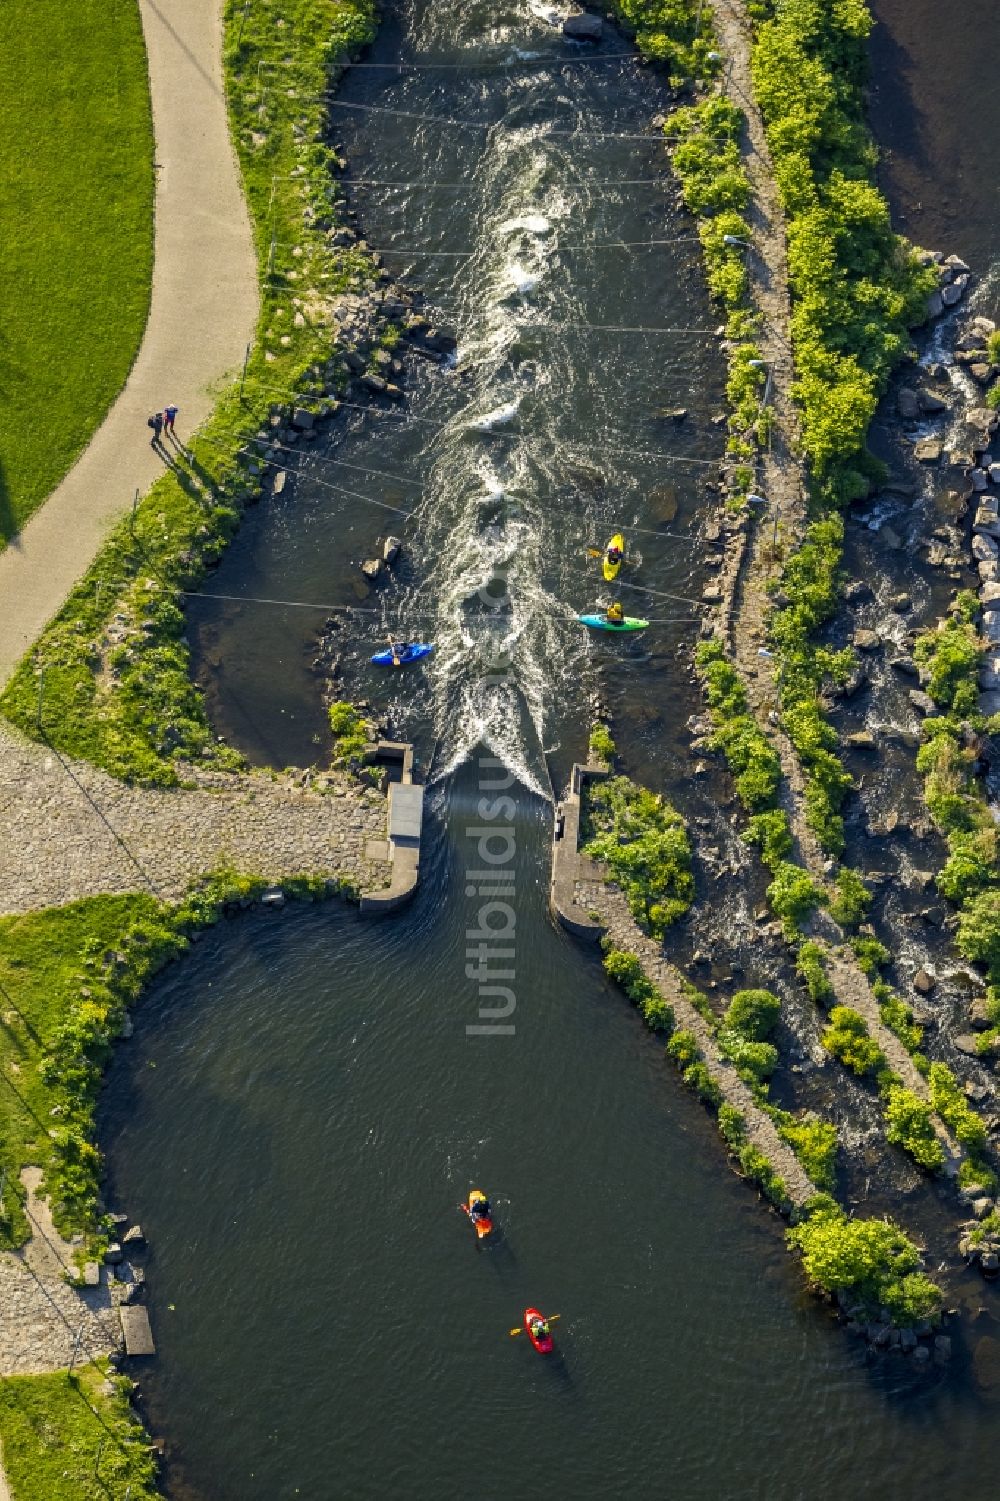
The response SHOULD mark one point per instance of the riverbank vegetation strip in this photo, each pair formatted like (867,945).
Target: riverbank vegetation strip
(76,203)
(68,976)
(115,660)
(870,1265)
(74,1437)
(950,656)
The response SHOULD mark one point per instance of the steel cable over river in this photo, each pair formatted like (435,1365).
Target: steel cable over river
(318,1109)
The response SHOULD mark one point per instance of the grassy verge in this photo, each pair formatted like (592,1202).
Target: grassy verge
(76,202)
(644,844)
(67,978)
(117,684)
(74,1438)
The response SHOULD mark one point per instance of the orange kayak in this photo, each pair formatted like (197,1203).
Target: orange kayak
(543,1343)
(482,1223)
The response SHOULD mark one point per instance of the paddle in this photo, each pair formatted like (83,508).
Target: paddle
(392,647)
(521,1329)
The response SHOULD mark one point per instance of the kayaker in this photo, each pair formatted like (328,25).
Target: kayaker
(540,1328)
(397,648)
(614,555)
(480,1209)
(614,614)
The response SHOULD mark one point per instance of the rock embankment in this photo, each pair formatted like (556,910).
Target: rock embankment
(68,830)
(605,899)
(46,1323)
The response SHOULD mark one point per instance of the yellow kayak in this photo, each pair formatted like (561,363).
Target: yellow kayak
(613,564)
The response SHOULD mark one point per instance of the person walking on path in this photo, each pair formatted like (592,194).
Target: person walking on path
(169,414)
(156,423)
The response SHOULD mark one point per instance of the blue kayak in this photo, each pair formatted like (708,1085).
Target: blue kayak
(602,623)
(411,653)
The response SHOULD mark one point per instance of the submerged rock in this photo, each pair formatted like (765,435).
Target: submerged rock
(583,28)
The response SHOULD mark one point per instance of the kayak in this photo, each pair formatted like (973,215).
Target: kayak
(611,569)
(543,1343)
(602,623)
(411,653)
(482,1223)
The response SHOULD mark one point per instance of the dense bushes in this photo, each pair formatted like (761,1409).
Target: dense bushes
(871,1261)
(751,757)
(665,30)
(910,1124)
(625,969)
(856,287)
(645,846)
(951,656)
(794,895)
(351,733)
(811,965)
(848,1040)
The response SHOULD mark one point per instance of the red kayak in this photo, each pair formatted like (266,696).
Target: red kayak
(482,1222)
(542,1341)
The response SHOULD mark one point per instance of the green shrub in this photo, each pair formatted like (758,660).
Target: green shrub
(698,1078)
(644,844)
(793,895)
(732,1125)
(871,954)
(870,1260)
(626,969)
(811,966)
(756,1167)
(771,832)
(815,1144)
(952,656)
(910,1124)
(602,747)
(979,930)
(898,1016)
(351,733)
(683,1048)
(753,1014)
(755,1061)
(954,1109)
(852,899)
(848,1040)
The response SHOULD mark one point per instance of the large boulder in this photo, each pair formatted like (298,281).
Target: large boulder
(583,28)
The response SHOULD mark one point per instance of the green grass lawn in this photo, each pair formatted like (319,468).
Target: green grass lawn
(44,959)
(73,1439)
(76,203)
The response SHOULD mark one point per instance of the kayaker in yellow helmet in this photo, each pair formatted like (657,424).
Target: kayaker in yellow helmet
(614,614)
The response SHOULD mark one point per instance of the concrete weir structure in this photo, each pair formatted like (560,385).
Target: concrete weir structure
(569,867)
(401,847)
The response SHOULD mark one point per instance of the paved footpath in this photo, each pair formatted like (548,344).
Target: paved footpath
(202,315)
(68,830)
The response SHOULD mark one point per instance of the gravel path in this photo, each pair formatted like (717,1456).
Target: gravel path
(68,830)
(202,315)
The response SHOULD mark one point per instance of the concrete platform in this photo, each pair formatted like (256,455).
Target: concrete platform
(406,813)
(137,1334)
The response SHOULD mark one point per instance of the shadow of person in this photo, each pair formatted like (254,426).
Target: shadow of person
(8,523)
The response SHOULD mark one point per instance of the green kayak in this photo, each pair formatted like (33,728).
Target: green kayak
(602,623)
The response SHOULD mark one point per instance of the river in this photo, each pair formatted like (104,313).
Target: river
(302,1108)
